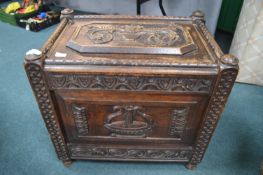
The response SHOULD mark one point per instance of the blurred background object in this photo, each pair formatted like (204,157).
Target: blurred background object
(248,41)
(211,8)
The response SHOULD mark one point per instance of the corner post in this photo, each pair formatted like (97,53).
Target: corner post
(198,15)
(67,13)
(228,70)
(34,68)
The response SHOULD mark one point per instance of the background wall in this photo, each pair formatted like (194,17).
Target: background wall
(211,8)
(172,7)
(101,6)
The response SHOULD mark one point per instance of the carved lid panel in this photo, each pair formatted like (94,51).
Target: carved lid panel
(123,37)
(132,41)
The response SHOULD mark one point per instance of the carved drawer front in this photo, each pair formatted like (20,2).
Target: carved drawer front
(118,117)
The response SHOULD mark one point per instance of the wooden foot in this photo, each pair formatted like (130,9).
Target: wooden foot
(67,163)
(190,166)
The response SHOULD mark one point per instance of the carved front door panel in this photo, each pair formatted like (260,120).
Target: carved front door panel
(97,116)
(129,120)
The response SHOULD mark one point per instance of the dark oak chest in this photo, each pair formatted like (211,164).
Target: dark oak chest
(131,88)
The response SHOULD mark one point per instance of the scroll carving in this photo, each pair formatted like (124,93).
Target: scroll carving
(80,118)
(178,122)
(60,81)
(128,121)
(130,153)
(101,34)
(125,37)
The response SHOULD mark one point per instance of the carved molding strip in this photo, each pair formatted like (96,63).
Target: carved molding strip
(178,122)
(130,153)
(103,82)
(127,17)
(80,118)
(205,62)
(44,102)
(133,121)
(215,109)
(54,36)
(210,39)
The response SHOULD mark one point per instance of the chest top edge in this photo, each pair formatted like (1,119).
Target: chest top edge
(206,55)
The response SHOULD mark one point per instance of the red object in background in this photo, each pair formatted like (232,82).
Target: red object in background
(26,3)
(20,11)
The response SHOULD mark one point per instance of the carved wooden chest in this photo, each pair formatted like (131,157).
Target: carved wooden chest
(131,88)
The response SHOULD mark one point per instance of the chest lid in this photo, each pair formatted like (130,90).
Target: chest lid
(126,40)
(132,38)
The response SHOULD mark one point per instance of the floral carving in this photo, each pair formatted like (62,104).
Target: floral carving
(104,33)
(91,151)
(105,82)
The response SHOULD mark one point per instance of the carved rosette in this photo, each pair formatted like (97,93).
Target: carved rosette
(46,107)
(215,108)
(80,117)
(96,152)
(178,122)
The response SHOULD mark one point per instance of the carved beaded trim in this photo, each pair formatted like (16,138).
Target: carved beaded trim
(214,110)
(123,17)
(130,62)
(91,151)
(54,36)
(45,105)
(80,117)
(178,122)
(60,81)
(209,38)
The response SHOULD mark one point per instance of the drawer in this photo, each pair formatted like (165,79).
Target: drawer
(121,117)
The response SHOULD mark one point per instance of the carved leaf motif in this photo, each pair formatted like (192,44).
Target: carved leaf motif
(109,82)
(83,81)
(100,35)
(133,153)
(165,83)
(60,81)
(158,38)
(135,82)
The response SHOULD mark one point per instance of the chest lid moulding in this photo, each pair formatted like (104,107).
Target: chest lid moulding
(155,65)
